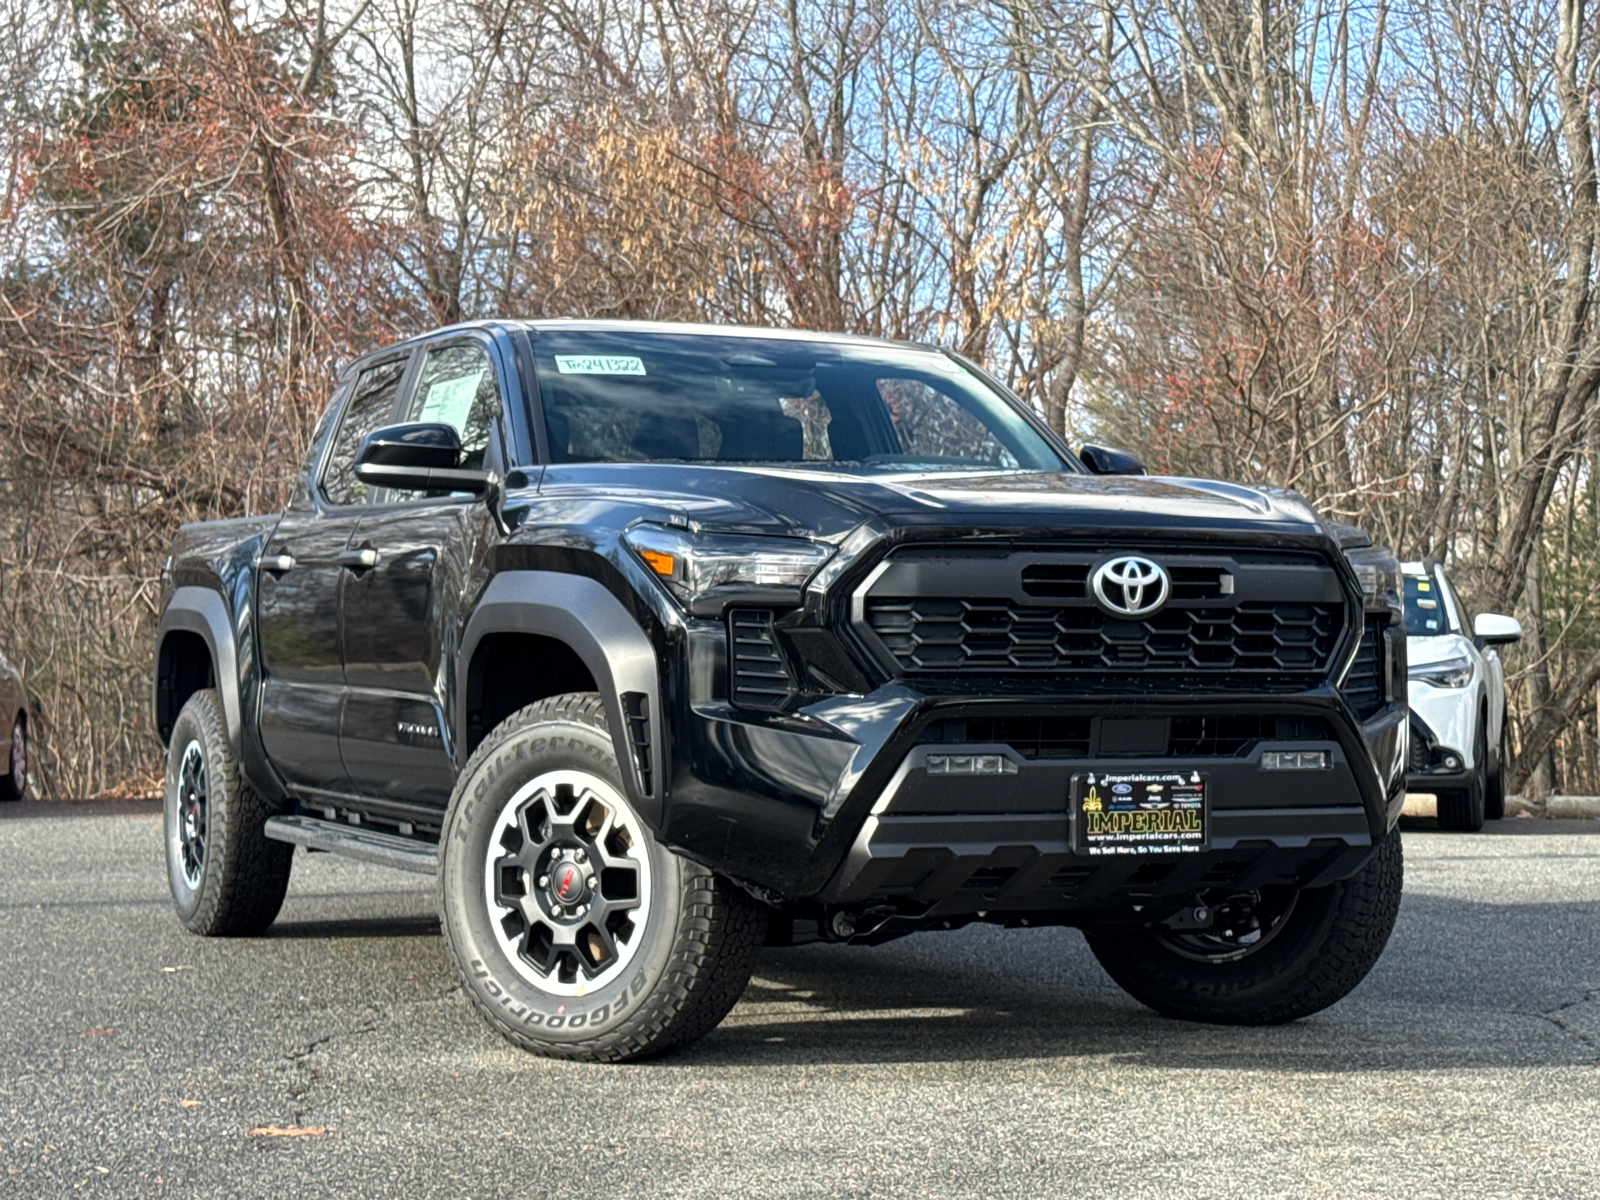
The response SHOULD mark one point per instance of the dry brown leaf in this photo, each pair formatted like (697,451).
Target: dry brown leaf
(288,1131)
(98,1031)
(188,1104)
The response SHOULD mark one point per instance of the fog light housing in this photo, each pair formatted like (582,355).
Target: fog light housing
(1294,760)
(970,764)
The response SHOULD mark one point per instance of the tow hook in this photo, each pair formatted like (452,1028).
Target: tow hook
(1196,914)
(844,925)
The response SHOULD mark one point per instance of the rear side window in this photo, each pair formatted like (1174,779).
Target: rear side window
(370,408)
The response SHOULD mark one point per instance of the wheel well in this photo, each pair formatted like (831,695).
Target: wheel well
(510,671)
(185,667)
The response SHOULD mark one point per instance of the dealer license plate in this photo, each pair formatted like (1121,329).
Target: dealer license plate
(1155,812)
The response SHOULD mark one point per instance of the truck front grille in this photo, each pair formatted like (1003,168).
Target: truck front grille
(1363,686)
(1058,736)
(1276,646)
(760,677)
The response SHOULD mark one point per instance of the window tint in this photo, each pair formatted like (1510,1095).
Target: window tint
(643,397)
(371,407)
(457,387)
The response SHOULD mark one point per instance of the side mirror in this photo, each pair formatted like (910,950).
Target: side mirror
(1492,629)
(1102,460)
(419,457)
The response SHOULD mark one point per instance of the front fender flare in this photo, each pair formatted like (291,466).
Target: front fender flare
(203,611)
(584,615)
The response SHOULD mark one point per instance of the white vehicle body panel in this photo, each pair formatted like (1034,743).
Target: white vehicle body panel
(1452,712)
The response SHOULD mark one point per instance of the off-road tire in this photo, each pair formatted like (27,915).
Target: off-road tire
(1328,943)
(1494,792)
(1463,810)
(700,935)
(14,783)
(243,875)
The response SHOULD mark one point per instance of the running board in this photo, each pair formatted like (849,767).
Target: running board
(368,845)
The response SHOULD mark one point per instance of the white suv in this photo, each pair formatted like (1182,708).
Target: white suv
(1458,700)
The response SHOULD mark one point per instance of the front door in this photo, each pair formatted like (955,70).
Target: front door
(400,618)
(303,568)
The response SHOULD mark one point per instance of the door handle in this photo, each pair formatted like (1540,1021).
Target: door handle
(359,560)
(277,563)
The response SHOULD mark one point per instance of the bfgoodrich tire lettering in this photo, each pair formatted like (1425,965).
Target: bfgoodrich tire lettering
(689,955)
(1327,944)
(227,878)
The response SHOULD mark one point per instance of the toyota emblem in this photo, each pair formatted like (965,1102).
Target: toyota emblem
(1130,586)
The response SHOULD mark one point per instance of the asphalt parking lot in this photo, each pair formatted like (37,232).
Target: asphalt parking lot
(136,1059)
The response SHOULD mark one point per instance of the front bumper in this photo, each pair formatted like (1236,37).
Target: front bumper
(833,803)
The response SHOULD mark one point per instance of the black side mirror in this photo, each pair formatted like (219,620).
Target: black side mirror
(1102,460)
(420,457)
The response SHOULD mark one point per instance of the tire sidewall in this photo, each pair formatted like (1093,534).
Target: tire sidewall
(528,1012)
(193,727)
(19,778)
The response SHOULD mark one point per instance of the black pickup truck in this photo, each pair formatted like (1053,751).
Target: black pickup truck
(659,643)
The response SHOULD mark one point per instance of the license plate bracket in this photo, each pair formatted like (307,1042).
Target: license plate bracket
(1136,813)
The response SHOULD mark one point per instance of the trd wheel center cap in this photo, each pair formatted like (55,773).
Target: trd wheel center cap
(567,885)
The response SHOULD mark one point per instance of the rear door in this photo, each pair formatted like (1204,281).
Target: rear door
(401,615)
(303,570)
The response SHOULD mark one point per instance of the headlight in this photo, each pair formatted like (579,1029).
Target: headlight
(1379,574)
(704,570)
(1451,673)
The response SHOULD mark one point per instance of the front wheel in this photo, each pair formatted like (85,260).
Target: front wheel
(575,933)
(1464,810)
(1271,956)
(14,784)
(1494,794)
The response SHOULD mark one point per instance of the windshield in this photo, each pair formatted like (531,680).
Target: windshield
(621,396)
(1425,611)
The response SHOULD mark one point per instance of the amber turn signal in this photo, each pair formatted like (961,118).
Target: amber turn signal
(658,562)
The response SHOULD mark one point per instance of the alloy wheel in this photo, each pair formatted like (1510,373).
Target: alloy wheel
(568,882)
(193,794)
(1241,926)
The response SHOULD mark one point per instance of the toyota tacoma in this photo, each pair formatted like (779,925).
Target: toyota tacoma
(659,643)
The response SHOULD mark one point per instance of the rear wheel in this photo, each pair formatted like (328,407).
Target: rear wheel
(575,933)
(227,878)
(1463,810)
(14,784)
(1270,956)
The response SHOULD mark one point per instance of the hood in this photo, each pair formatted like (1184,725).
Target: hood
(829,503)
(1432,648)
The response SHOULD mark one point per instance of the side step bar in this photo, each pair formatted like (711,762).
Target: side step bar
(352,841)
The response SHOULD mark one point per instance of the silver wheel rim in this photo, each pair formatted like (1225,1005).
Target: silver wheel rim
(19,758)
(190,813)
(568,882)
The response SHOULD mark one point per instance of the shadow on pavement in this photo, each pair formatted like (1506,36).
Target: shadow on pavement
(1481,991)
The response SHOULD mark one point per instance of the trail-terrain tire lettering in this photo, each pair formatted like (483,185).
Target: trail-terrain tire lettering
(575,933)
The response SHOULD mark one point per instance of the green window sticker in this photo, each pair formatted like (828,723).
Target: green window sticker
(599,364)
(450,400)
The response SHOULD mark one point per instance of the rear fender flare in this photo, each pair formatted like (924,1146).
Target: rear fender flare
(203,611)
(582,613)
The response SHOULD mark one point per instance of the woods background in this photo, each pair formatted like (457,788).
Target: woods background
(1347,248)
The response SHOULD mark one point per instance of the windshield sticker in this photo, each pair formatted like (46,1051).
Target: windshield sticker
(599,364)
(1427,604)
(450,400)
(1422,586)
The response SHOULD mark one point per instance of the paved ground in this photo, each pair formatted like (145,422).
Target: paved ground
(135,1057)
